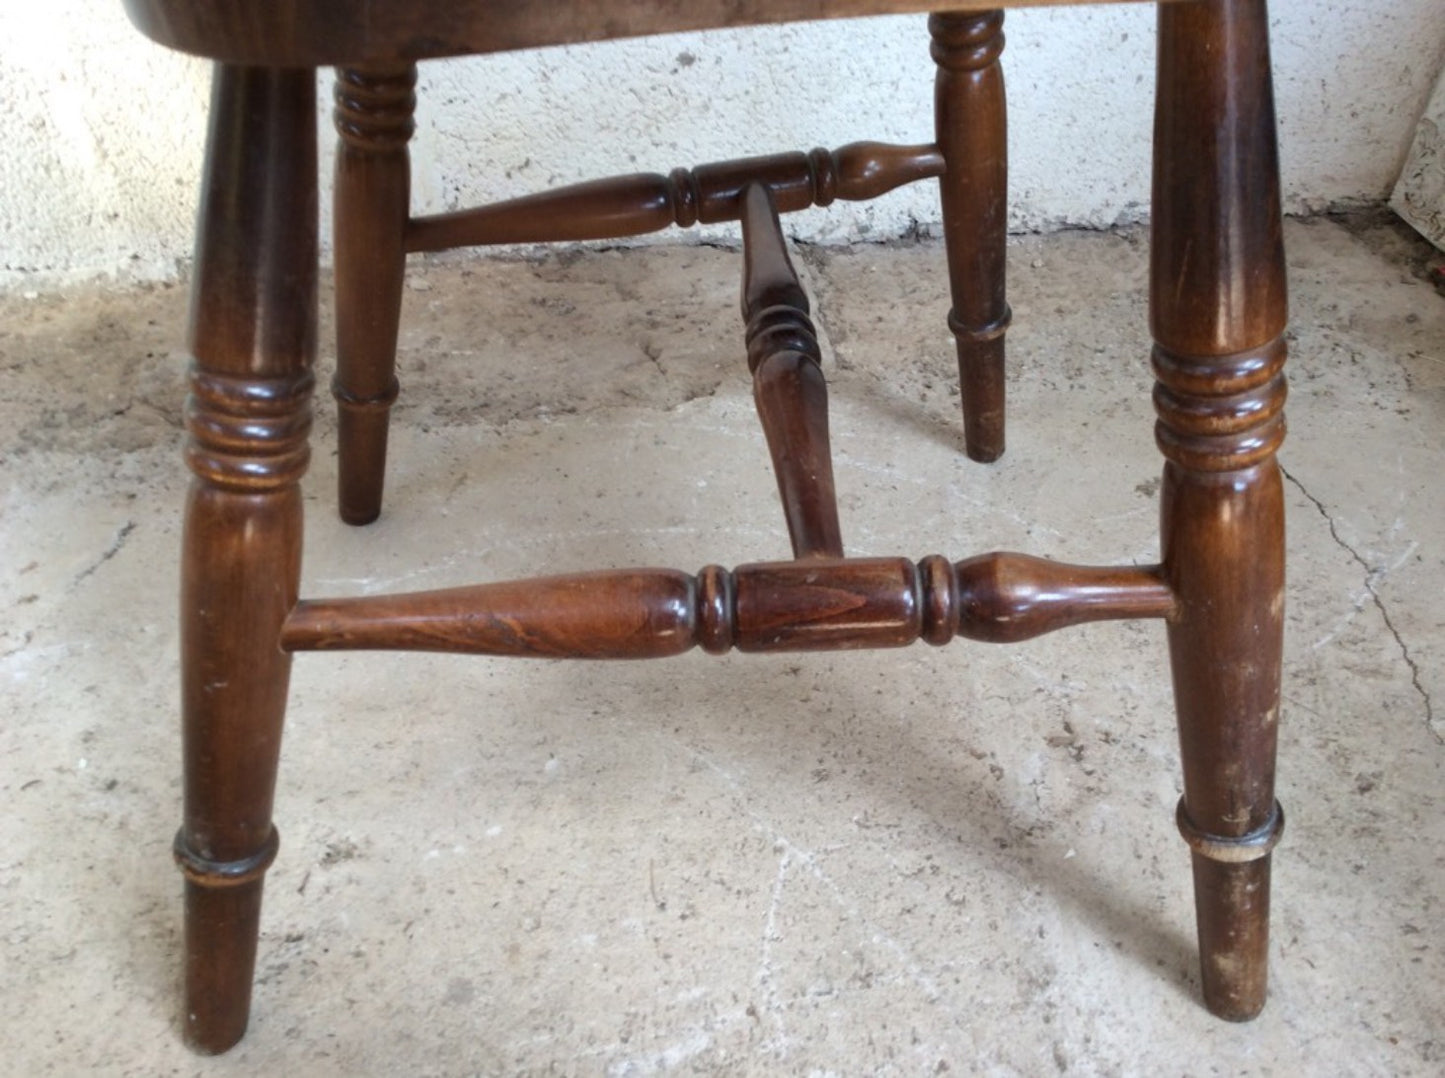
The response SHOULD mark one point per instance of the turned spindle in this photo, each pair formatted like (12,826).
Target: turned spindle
(788,385)
(816,605)
(649,202)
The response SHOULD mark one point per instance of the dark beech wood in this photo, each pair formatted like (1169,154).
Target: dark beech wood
(1217,300)
(814,605)
(1217,311)
(971,119)
(645,202)
(308,33)
(788,385)
(253,336)
(373,117)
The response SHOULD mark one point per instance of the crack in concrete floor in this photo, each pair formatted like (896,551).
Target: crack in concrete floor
(1374,575)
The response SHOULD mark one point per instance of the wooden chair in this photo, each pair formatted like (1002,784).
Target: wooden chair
(1217,316)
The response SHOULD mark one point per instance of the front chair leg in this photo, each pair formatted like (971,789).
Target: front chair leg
(970,115)
(1217,303)
(253,337)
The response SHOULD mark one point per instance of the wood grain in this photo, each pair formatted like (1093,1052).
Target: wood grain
(815,605)
(621,206)
(970,114)
(788,386)
(1217,312)
(253,336)
(373,118)
(1217,301)
(310,33)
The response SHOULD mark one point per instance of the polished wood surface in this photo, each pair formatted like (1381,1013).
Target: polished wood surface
(373,234)
(971,121)
(1217,313)
(822,604)
(253,336)
(645,202)
(373,117)
(313,33)
(1217,303)
(788,386)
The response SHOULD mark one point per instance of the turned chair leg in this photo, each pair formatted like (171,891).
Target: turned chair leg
(249,414)
(972,127)
(374,107)
(1217,302)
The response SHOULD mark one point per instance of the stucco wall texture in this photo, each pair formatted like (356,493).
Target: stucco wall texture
(103,132)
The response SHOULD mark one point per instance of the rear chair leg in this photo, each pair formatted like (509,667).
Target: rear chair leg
(970,115)
(253,337)
(374,107)
(1217,302)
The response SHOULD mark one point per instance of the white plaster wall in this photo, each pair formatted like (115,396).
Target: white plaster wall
(102,132)
(1420,195)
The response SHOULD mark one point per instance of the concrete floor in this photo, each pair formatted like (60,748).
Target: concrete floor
(882,863)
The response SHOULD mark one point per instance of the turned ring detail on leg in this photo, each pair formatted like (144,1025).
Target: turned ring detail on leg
(1236,850)
(204,872)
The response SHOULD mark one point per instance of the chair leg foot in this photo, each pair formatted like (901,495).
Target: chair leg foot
(981,373)
(1232,911)
(361,434)
(223,921)
(1224,557)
